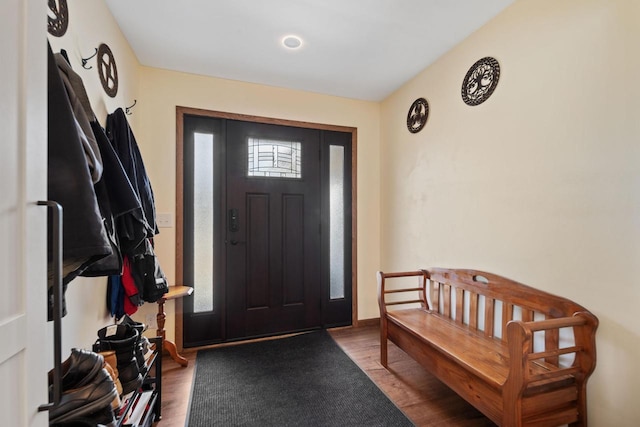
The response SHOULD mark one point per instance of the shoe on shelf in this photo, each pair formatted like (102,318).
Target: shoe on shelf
(110,358)
(123,339)
(147,350)
(112,362)
(139,326)
(102,418)
(115,403)
(93,397)
(139,351)
(79,368)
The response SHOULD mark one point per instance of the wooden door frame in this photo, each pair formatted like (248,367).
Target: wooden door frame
(181,112)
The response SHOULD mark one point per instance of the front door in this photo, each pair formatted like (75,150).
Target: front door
(266,228)
(273,229)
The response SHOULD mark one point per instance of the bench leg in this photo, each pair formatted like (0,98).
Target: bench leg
(581,404)
(383,342)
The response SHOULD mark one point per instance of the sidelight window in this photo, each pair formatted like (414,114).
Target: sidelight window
(203,210)
(336,222)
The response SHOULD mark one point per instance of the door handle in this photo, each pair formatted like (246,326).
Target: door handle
(235,242)
(56,250)
(234,224)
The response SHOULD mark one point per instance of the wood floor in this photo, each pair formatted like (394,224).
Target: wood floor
(424,399)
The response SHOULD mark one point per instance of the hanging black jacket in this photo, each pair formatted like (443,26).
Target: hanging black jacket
(114,193)
(132,231)
(69,183)
(117,200)
(135,234)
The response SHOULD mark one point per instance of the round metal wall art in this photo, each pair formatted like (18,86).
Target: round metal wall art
(58,24)
(481,80)
(417,115)
(107,70)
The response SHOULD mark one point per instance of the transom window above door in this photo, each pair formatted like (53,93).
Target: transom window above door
(274,159)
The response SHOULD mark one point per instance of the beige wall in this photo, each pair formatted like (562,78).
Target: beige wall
(158,92)
(90,24)
(540,183)
(161,91)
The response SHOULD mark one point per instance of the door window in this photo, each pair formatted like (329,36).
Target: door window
(279,159)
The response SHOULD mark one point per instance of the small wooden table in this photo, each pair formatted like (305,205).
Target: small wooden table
(174,292)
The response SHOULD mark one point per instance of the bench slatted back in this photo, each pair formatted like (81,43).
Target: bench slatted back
(487,303)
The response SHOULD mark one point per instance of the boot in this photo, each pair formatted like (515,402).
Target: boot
(147,349)
(139,349)
(111,360)
(123,339)
(115,403)
(126,320)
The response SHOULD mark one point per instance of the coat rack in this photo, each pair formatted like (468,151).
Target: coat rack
(127,110)
(107,69)
(85,60)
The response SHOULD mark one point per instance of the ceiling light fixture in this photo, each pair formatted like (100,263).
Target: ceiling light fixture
(292,42)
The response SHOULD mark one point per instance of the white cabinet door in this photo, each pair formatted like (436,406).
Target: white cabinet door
(25,353)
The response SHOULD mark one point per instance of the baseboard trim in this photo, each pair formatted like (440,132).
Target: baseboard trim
(368,322)
(362,323)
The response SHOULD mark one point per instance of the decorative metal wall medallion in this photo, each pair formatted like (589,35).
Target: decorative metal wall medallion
(417,115)
(58,24)
(481,80)
(107,70)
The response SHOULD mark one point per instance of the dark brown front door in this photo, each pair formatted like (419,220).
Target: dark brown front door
(266,229)
(273,229)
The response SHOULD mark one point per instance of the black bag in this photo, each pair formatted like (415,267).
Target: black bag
(149,277)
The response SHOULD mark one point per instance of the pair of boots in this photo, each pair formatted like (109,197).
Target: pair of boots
(87,391)
(124,340)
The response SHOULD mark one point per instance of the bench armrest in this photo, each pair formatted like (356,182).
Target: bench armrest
(383,291)
(520,343)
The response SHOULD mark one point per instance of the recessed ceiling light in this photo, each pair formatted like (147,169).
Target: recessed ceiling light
(292,42)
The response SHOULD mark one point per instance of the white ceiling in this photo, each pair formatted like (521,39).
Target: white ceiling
(361,49)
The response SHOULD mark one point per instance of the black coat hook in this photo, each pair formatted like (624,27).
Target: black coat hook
(65,56)
(84,60)
(128,109)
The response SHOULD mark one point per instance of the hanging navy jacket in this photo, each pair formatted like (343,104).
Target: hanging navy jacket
(132,231)
(135,234)
(116,199)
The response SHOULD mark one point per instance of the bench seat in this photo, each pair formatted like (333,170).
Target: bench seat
(486,358)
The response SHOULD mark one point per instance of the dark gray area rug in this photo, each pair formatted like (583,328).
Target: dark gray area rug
(304,380)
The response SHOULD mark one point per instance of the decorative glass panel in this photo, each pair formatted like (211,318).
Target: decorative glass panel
(203,221)
(275,159)
(336,221)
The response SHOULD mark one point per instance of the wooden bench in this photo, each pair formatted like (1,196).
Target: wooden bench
(519,355)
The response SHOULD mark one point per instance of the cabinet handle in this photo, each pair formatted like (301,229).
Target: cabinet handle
(56,249)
